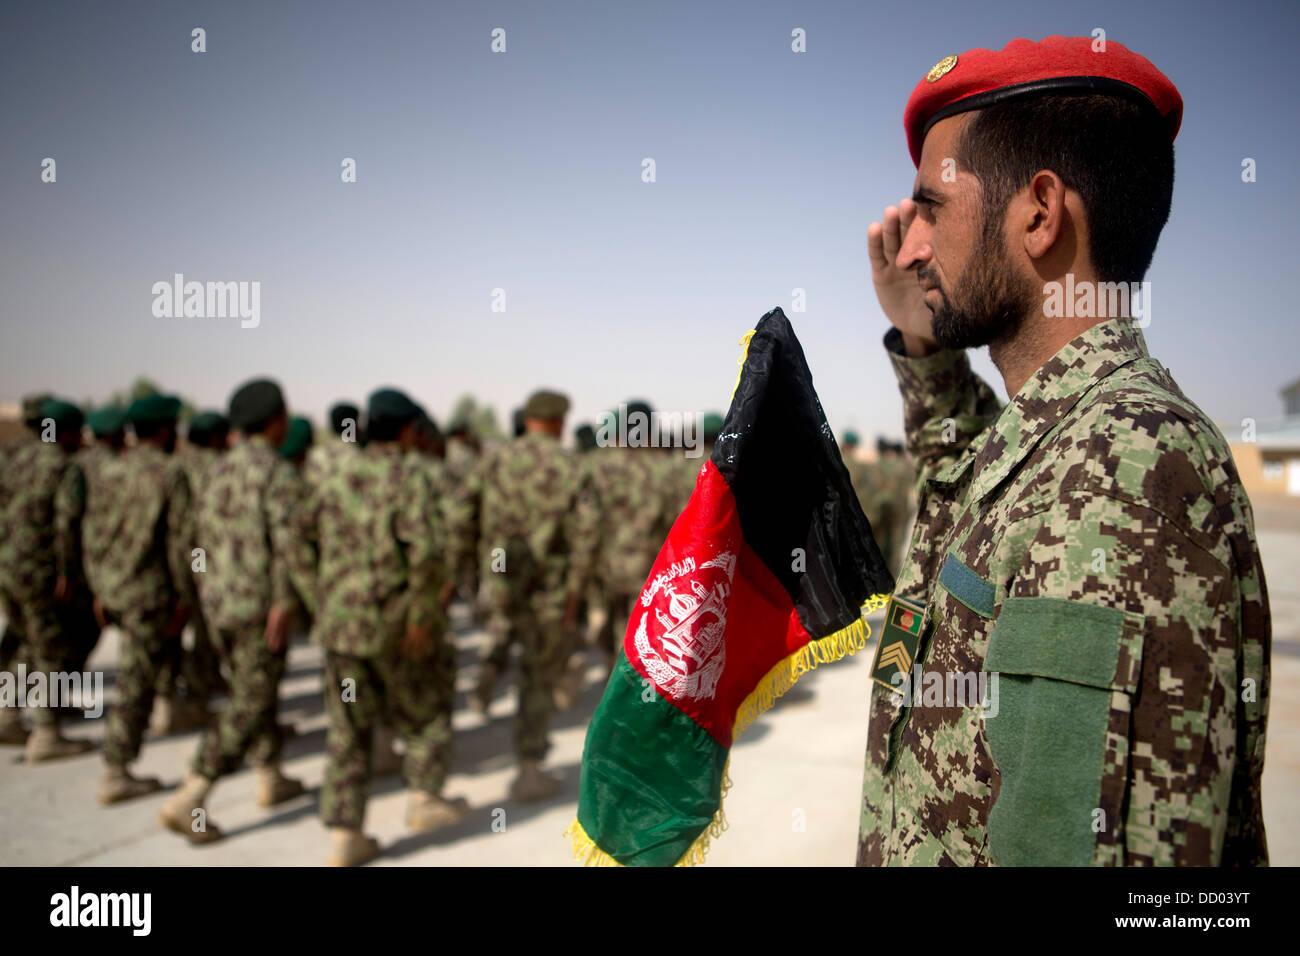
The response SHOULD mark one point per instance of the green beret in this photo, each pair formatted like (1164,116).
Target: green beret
(547,406)
(391,406)
(32,408)
(209,422)
(298,440)
(64,414)
(712,427)
(107,421)
(254,404)
(851,438)
(161,409)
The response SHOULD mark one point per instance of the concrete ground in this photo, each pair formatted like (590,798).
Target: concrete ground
(797,773)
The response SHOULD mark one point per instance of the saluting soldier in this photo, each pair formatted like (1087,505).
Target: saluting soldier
(1086,552)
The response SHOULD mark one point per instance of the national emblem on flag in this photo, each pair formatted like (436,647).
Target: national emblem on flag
(767,573)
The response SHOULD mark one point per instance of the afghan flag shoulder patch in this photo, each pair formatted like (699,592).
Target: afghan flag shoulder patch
(767,573)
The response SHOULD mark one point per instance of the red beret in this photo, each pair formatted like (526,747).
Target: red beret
(979,78)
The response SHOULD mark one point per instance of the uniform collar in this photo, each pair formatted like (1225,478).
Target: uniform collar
(1049,395)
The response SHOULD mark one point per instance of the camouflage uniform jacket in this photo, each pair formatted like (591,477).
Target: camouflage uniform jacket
(369,554)
(197,462)
(34,549)
(1089,544)
(243,524)
(518,498)
(625,508)
(324,457)
(138,531)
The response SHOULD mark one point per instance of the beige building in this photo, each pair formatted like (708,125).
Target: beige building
(1270,463)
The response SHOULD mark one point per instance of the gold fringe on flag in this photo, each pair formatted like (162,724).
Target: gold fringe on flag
(845,642)
(744,354)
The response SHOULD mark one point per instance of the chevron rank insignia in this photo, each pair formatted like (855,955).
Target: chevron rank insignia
(899,641)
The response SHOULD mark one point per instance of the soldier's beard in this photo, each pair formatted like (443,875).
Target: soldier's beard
(990,300)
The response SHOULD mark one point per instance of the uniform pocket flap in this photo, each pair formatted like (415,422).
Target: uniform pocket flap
(1067,640)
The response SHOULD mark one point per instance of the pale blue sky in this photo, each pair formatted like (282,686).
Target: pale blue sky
(522,171)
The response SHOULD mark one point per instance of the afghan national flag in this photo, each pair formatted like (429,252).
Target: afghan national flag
(766,574)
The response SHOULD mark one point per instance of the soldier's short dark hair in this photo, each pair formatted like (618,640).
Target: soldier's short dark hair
(1113,151)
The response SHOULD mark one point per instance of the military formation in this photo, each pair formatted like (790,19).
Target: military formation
(209,544)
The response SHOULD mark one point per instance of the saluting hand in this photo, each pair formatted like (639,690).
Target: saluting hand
(898,291)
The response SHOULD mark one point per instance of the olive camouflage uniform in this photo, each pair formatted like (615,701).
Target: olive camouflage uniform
(515,508)
(243,525)
(1091,545)
(33,554)
(369,562)
(625,507)
(138,532)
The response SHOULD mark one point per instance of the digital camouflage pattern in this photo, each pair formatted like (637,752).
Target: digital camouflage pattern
(323,456)
(137,532)
(1092,542)
(368,556)
(34,554)
(624,510)
(196,462)
(249,725)
(244,526)
(628,500)
(200,668)
(513,514)
(411,697)
(370,559)
(884,492)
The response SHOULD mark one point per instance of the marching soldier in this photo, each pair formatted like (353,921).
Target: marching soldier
(12,731)
(345,422)
(625,510)
(376,590)
(138,527)
(515,511)
(244,533)
(37,558)
(1087,549)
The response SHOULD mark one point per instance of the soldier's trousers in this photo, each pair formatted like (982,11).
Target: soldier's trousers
(38,640)
(198,669)
(533,619)
(249,726)
(143,650)
(618,608)
(414,697)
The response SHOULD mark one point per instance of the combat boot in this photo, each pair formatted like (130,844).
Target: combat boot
(46,743)
(481,699)
(178,812)
(11,728)
(386,760)
(351,847)
(160,719)
(274,787)
(533,783)
(427,811)
(119,785)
